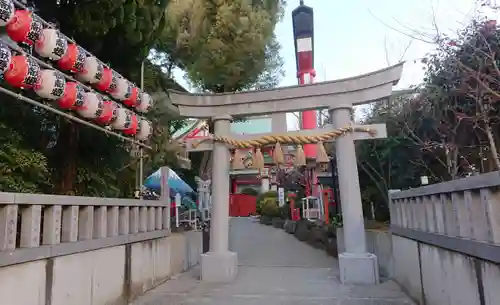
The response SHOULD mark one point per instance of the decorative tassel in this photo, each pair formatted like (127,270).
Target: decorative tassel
(278,156)
(260,158)
(237,162)
(321,155)
(300,157)
(257,159)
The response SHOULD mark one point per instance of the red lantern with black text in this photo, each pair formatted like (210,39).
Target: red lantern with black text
(51,85)
(93,106)
(23,72)
(7,11)
(123,89)
(92,71)
(24,27)
(133,97)
(73,98)
(105,82)
(108,112)
(52,44)
(115,79)
(73,60)
(131,124)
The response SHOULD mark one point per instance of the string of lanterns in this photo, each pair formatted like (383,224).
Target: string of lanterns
(97,102)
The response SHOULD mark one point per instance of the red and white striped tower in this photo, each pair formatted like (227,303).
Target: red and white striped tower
(303,32)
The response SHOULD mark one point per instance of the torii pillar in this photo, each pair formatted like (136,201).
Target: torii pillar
(356,264)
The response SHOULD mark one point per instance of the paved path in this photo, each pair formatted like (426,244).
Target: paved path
(275,269)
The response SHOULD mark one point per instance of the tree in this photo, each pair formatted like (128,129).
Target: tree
(226,46)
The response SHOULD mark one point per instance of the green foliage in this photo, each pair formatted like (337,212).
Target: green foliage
(448,129)
(226,46)
(249,191)
(270,207)
(262,197)
(21,169)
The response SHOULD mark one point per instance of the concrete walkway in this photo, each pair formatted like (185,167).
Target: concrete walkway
(275,269)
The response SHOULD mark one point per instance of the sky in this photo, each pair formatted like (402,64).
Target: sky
(359,36)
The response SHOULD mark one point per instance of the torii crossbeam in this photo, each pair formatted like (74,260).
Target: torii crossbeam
(356,264)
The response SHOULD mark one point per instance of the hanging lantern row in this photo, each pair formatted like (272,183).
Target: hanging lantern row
(21,71)
(24,27)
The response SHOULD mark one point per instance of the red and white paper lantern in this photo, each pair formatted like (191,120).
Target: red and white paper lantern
(23,72)
(93,106)
(5,58)
(92,71)
(133,98)
(123,89)
(52,44)
(24,27)
(51,85)
(115,79)
(144,130)
(105,82)
(73,98)
(120,121)
(73,60)
(131,124)
(7,11)
(145,104)
(108,113)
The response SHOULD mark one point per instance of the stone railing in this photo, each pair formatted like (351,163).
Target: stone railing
(446,241)
(57,250)
(35,227)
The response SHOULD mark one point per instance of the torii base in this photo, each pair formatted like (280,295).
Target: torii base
(358,268)
(219,267)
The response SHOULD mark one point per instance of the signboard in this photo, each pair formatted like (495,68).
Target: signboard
(281,196)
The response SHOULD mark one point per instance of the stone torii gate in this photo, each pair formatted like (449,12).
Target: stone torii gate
(357,266)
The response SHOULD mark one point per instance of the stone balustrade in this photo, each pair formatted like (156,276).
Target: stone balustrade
(446,241)
(41,226)
(57,250)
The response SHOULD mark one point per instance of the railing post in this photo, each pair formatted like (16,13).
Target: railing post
(86,223)
(113,221)
(70,223)
(100,221)
(124,221)
(52,225)
(8,226)
(31,218)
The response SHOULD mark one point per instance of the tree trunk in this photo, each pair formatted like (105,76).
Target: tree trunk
(493,147)
(66,157)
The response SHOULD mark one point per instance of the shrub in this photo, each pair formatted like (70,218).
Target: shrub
(262,197)
(250,191)
(270,207)
(285,211)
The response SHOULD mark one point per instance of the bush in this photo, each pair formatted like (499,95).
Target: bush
(250,191)
(262,197)
(285,211)
(270,208)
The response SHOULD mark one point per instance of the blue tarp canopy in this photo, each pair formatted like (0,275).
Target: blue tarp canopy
(176,184)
